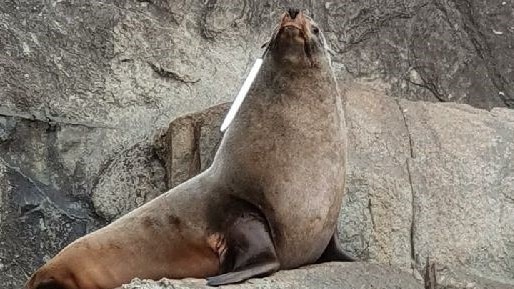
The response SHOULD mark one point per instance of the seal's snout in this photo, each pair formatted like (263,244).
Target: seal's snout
(293,17)
(293,12)
(297,39)
(292,27)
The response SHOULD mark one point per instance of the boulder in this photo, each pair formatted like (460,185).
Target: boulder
(134,177)
(189,144)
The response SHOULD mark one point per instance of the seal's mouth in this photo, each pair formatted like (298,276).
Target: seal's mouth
(293,28)
(292,39)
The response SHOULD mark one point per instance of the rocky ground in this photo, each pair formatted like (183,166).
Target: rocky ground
(86,85)
(330,276)
(337,275)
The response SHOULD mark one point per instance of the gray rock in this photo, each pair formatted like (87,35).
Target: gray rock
(189,144)
(451,278)
(330,275)
(449,169)
(371,225)
(463,187)
(430,180)
(442,50)
(34,224)
(7,126)
(133,178)
(437,180)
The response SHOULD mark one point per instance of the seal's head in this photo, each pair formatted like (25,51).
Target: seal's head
(298,41)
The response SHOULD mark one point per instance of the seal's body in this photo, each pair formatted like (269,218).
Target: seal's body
(269,201)
(285,154)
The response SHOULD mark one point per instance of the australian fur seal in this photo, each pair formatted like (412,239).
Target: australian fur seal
(269,201)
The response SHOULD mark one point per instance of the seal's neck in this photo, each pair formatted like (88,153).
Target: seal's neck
(284,79)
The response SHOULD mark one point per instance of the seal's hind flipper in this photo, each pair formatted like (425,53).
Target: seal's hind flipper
(334,252)
(250,251)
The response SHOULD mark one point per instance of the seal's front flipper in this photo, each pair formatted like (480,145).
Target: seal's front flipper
(334,252)
(250,251)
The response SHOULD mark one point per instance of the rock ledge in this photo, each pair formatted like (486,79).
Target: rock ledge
(330,275)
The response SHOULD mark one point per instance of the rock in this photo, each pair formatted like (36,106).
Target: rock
(7,126)
(133,178)
(330,275)
(443,50)
(452,278)
(447,166)
(34,224)
(463,187)
(378,180)
(44,204)
(189,144)
(430,180)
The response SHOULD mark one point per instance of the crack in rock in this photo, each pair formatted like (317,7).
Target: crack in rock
(51,120)
(426,84)
(372,215)
(172,75)
(413,195)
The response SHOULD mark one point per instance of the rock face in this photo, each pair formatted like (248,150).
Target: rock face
(134,177)
(446,50)
(430,180)
(86,85)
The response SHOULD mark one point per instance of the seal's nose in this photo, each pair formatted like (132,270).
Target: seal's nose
(293,12)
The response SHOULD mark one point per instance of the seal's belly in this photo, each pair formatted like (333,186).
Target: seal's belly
(301,198)
(303,218)
(292,168)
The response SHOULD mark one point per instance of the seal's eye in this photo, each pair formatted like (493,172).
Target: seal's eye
(315,30)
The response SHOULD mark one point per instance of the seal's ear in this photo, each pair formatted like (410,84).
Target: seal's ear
(265,44)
